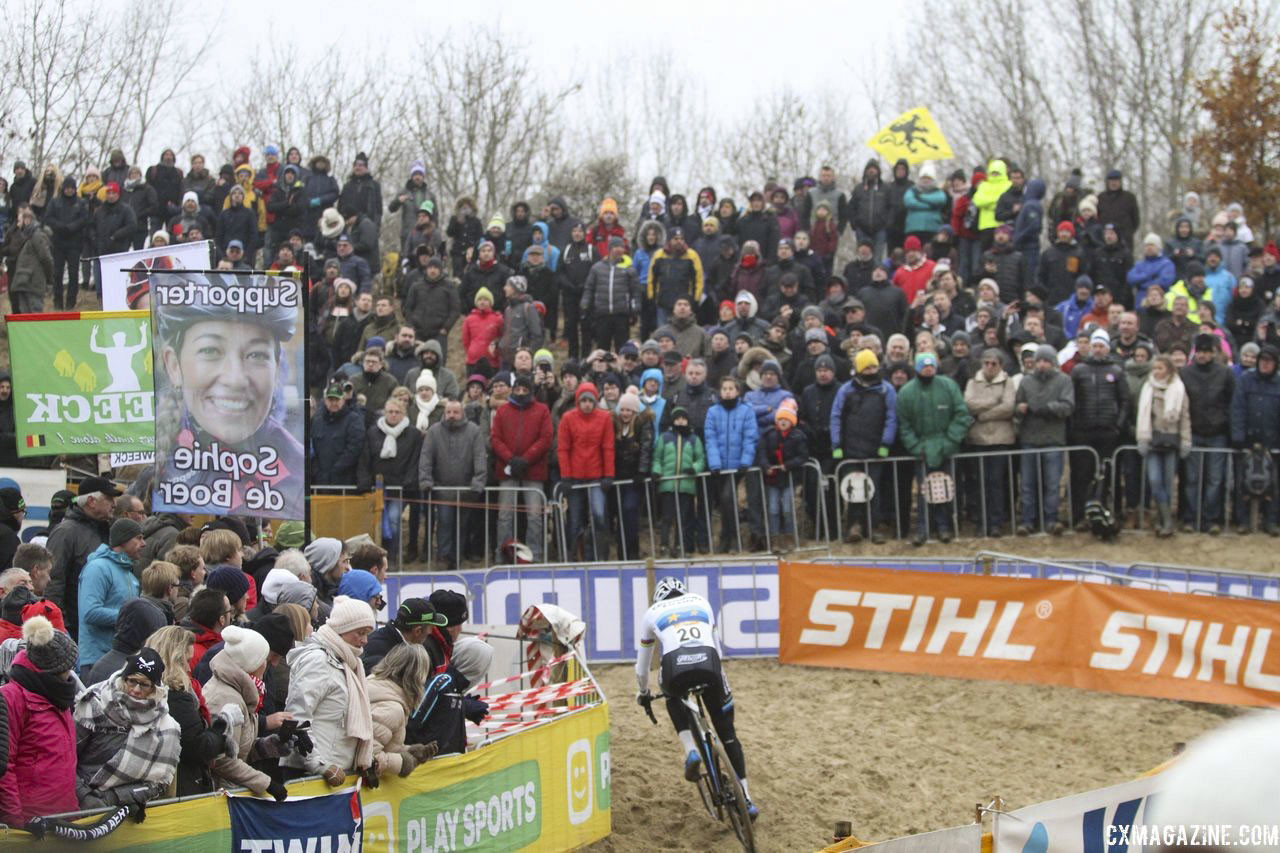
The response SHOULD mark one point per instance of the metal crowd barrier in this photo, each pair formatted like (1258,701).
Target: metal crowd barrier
(816,487)
(970,473)
(1188,490)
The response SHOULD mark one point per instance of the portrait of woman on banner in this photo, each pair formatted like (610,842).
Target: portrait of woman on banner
(222,382)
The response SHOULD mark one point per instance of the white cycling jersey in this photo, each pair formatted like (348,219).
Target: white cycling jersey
(674,623)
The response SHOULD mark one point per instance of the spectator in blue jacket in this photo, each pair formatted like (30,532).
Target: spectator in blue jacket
(1026,229)
(731,436)
(337,436)
(764,401)
(1218,280)
(106,583)
(1076,307)
(1152,268)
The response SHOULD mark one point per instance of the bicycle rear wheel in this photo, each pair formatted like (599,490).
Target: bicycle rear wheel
(732,797)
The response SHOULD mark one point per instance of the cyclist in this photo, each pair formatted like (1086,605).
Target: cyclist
(683,624)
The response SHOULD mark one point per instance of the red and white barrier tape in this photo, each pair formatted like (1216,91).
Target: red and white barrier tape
(522,675)
(540,695)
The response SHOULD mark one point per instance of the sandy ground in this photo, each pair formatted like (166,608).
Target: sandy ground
(899,754)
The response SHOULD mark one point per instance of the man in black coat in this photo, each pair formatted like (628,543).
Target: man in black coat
(1119,207)
(415,618)
(337,435)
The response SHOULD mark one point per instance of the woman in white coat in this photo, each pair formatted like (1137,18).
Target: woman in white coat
(327,687)
(1164,434)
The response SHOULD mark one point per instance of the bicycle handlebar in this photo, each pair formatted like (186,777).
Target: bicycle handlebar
(646,702)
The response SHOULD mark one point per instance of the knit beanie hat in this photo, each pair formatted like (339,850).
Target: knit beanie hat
(348,614)
(290,534)
(925,359)
(483,293)
(786,413)
(146,662)
(247,649)
(278,631)
(630,401)
(230,580)
(1044,352)
(864,359)
(122,530)
(48,650)
(323,553)
(359,584)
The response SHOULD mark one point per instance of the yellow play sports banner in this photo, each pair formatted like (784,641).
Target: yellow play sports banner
(548,788)
(913,136)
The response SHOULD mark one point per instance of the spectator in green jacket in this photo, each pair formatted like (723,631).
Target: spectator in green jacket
(932,422)
(679,451)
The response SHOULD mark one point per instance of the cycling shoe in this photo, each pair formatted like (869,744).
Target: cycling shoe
(692,761)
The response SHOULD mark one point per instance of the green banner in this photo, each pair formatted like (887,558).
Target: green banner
(82,382)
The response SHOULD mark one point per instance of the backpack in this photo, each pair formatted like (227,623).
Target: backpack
(1101,521)
(971,214)
(1259,472)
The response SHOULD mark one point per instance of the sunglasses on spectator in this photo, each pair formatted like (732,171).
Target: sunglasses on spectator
(139,683)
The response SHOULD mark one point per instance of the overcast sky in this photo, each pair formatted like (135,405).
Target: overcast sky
(734,49)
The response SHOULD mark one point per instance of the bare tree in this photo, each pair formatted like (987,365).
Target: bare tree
(785,134)
(484,125)
(584,184)
(1098,84)
(337,110)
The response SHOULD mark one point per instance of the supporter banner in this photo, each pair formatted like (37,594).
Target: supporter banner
(1095,636)
(549,788)
(126,276)
(230,391)
(913,136)
(1081,823)
(82,382)
(332,822)
(612,599)
(37,487)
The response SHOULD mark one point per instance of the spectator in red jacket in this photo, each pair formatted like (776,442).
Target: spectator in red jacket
(208,613)
(41,742)
(606,226)
(586,450)
(521,440)
(481,332)
(913,276)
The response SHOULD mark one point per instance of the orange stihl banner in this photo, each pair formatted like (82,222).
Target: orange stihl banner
(1099,637)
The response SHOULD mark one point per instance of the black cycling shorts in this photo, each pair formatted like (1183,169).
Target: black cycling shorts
(689,666)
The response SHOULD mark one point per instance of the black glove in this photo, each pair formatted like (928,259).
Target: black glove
(302,742)
(272,746)
(277,790)
(474,709)
(519,467)
(370,775)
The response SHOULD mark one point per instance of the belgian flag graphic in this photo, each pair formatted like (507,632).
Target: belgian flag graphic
(35,441)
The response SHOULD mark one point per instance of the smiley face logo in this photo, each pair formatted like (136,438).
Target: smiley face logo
(579,781)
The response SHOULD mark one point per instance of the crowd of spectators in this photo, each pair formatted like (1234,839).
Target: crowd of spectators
(691,366)
(222,661)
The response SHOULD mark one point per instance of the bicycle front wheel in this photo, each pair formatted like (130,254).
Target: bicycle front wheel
(732,797)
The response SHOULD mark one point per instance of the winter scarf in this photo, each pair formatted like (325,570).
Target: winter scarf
(61,692)
(152,738)
(1174,393)
(359,711)
(390,434)
(425,409)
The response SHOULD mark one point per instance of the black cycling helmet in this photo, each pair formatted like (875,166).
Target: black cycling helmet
(173,320)
(668,587)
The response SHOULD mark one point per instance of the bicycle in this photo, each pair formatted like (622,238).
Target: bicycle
(718,784)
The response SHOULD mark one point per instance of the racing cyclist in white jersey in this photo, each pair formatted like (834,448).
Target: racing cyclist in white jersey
(683,625)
